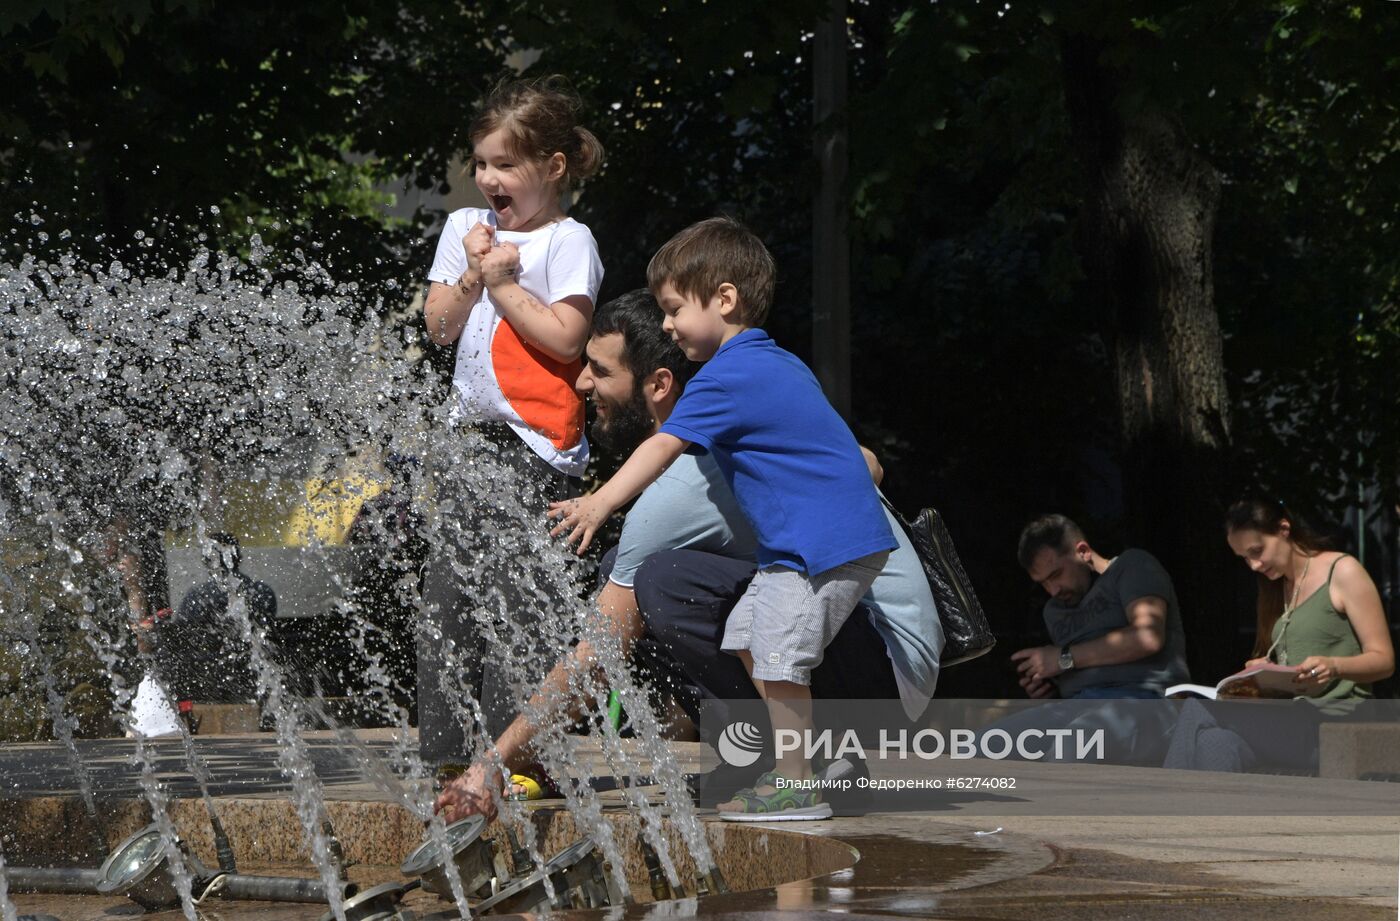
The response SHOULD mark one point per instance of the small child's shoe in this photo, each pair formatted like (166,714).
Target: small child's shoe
(787,803)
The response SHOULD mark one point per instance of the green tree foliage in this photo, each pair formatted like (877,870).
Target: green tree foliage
(1288,102)
(703,107)
(1310,266)
(1291,102)
(180,118)
(44,646)
(984,369)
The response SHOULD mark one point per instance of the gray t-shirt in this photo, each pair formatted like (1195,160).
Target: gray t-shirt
(1133,574)
(690,507)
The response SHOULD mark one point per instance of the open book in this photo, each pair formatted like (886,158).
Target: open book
(1260,681)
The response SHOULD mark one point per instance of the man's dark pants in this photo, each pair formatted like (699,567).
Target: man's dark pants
(685,597)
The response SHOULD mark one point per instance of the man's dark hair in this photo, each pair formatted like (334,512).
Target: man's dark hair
(1054,531)
(645,345)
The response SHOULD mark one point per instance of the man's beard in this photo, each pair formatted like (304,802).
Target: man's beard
(625,426)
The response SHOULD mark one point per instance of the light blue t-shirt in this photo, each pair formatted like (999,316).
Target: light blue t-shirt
(790,459)
(904,614)
(690,507)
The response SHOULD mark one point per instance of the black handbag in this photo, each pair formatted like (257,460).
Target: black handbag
(966,633)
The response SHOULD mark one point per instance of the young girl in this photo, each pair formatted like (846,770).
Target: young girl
(513,286)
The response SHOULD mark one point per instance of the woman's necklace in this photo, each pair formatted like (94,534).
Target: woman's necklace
(1287,613)
(1297,586)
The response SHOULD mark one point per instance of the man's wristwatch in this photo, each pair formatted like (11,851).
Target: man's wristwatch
(1066,658)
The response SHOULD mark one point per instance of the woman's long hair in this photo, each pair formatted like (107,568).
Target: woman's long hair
(1267,517)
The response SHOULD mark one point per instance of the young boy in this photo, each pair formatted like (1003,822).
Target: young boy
(794,467)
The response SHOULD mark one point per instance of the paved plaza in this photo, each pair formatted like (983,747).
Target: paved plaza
(1221,846)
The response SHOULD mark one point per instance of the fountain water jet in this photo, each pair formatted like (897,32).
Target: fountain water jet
(137,393)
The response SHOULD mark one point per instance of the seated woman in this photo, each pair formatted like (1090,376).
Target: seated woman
(1318,609)
(1318,612)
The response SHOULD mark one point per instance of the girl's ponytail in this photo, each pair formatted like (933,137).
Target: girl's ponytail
(587,157)
(541,119)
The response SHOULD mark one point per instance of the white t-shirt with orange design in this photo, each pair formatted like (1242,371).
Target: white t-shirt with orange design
(499,376)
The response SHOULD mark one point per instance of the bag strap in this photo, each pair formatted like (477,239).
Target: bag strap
(892,510)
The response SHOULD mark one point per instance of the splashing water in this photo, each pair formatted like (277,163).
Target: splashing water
(176,402)
(63,722)
(8,912)
(160,811)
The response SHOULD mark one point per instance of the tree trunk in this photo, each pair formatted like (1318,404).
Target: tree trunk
(1145,234)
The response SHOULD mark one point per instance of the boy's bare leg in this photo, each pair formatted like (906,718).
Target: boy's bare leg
(789,707)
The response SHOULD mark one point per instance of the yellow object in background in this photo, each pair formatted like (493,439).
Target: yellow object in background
(329,509)
(293,513)
(277,520)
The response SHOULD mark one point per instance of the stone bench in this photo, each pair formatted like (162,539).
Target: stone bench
(243,718)
(1359,751)
(227,719)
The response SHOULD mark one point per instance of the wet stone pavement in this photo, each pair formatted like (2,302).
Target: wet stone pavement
(958,857)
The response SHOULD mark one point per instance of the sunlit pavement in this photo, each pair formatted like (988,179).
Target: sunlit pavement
(1249,853)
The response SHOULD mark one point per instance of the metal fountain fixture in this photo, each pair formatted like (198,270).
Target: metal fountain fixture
(478,862)
(661,889)
(75,880)
(139,868)
(579,876)
(482,867)
(378,903)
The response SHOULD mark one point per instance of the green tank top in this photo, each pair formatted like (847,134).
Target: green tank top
(1315,628)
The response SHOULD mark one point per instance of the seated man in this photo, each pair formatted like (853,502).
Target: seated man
(634,377)
(198,650)
(1114,624)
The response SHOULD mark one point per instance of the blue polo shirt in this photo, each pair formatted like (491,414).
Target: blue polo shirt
(791,461)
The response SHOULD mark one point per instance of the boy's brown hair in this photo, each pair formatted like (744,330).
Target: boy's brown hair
(704,256)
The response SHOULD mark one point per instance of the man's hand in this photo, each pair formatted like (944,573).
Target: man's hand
(1038,663)
(470,793)
(477,244)
(1035,689)
(581,517)
(500,265)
